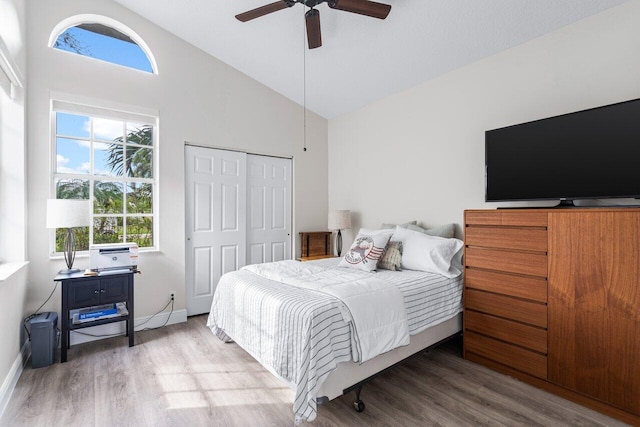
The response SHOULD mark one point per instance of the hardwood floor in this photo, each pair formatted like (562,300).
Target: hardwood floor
(182,375)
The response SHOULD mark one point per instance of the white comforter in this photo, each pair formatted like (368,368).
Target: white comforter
(374,306)
(299,332)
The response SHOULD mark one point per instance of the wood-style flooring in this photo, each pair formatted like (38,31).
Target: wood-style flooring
(182,375)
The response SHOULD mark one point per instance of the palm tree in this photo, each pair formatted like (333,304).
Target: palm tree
(137,161)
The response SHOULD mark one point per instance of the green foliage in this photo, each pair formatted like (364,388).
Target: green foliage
(107,197)
(139,198)
(107,229)
(140,230)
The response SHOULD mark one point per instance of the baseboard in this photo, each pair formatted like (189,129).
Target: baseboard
(9,383)
(118,328)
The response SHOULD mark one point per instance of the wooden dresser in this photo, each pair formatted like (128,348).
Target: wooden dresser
(552,297)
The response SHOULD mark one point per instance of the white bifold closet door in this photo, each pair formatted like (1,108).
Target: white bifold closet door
(238,212)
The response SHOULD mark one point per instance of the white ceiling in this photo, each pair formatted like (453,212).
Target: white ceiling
(362,59)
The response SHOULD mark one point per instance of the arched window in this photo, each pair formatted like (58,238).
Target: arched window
(103,38)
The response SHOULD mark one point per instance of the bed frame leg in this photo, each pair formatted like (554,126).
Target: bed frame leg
(358,405)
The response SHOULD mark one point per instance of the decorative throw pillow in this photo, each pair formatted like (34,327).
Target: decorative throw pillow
(428,253)
(367,249)
(392,258)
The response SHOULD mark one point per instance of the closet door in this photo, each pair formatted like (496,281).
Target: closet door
(215,221)
(268,209)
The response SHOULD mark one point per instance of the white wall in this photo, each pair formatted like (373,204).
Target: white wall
(419,154)
(13,274)
(12,133)
(199,99)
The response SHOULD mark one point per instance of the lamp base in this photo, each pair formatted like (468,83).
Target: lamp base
(69,271)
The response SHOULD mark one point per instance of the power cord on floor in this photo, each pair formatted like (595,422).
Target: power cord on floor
(171,302)
(34,314)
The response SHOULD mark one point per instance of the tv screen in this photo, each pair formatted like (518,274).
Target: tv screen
(589,154)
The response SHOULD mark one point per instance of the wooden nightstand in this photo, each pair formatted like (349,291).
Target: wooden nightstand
(315,245)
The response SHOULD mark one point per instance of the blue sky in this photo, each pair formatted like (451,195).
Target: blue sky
(109,49)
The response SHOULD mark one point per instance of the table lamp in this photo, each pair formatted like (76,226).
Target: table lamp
(339,220)
(68,213)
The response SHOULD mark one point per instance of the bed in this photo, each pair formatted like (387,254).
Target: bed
(305,336)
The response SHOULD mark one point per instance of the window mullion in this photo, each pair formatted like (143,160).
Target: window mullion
(125,142)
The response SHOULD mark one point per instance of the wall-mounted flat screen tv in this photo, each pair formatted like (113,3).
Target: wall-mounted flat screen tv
(590,154)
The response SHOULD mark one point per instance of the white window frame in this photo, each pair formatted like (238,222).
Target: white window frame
(96,109)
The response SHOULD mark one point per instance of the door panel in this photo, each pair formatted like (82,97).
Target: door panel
(203,215)
(229,259)
(203,271)
(229,207)
(269,209)
(256,254)
(215,182)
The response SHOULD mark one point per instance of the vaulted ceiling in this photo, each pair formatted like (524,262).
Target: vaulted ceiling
(362,59)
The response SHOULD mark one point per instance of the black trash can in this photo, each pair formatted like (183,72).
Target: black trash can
(43,329)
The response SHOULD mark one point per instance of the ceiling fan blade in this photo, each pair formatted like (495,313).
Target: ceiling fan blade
(314,36)
(362,7)
(264,10)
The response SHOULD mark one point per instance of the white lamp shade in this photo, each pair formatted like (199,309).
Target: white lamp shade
(339,220)
(68,213)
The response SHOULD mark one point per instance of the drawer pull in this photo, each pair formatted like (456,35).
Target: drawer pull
(96,292)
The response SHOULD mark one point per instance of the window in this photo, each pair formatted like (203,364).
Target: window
(105,39)
(110,159)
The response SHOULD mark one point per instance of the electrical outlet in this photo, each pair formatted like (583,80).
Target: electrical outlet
(173,295)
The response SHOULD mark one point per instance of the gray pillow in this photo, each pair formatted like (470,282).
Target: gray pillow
(405,225)
(447,230)
(392,258)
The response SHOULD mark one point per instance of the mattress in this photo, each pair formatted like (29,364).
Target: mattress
(300,334)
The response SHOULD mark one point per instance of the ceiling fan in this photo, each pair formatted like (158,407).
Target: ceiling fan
(312,17)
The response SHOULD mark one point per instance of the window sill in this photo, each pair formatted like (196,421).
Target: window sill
(85,254)
(8,269)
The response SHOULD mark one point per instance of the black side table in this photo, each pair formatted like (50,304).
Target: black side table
(80,291)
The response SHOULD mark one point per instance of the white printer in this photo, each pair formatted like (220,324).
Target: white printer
(113,257)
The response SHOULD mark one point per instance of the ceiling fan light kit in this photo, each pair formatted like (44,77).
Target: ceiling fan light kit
(312,17)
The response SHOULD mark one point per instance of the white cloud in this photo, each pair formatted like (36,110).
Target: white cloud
(61,161)
(61,167)
(107,129)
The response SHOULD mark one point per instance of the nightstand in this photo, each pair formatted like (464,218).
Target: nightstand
(80,291)
(315,245)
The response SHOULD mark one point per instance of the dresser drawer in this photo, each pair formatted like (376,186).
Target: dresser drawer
(525,239)
(533,264)
(537,218)
(518,358)
(510,308)
(483,217)
(508,284)
(505,330)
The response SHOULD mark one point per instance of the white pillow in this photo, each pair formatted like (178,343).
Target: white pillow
(428,253)
(367,249)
